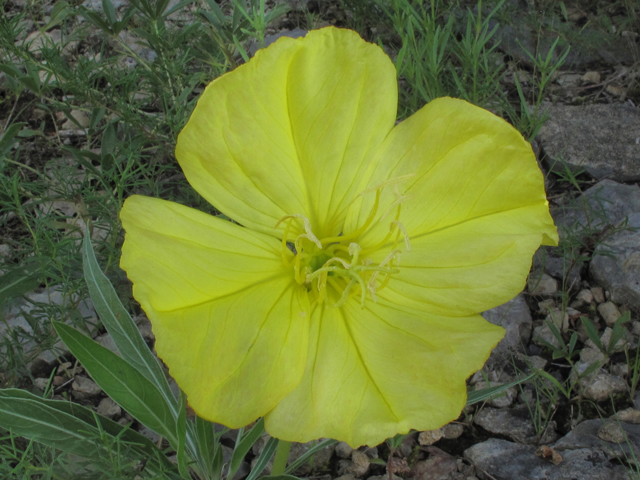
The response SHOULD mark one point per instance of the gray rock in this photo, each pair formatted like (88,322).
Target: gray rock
(343,450)
(600,139)
(514,423)
(548,260)
(541,284)
(607,204)
(109,408)
(616,264)
(600,386)
(586,435)
(83,388)
(505,460)
(515,317)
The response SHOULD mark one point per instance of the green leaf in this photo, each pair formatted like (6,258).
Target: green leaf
(554,381)
(9,137)
(70,427)
(309,454)
(263,459)
(19,281)
(618,331)
(477,396)
(208,446)
(592,333)
(243,445)
(181,453)
(122,382)
(121,327)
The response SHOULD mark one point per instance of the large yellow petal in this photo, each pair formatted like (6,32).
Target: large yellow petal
(464,163)
(375,372)
(291,131)
(230,322)
(469,267)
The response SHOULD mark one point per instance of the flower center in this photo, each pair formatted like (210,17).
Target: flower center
(335,268)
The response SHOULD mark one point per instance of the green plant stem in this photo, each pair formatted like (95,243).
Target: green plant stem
(280,460)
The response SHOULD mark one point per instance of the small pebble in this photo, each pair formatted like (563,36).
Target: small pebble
(609,312)
(452,431)
(630,415)
(591,77)
(430,437)
(611,432)
(343,450)
(542,284)
(598,294)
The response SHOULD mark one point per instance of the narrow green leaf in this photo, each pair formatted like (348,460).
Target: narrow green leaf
(308,454)
(592,333)
(207,444)
(554,381)
(122,382)
(69,427)
(618,331)
(121,327)
(477,396)
(182,437)
(243,445)
(263,459)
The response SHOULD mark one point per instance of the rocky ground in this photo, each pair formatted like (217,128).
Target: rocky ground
(578,320)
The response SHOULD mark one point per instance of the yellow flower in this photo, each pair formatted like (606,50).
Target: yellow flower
(346,305)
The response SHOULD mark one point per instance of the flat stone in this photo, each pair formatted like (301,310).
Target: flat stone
(606,204)
(504,460)
(600,139)
(616,265)
(586,435)
(515,317)
(514,423)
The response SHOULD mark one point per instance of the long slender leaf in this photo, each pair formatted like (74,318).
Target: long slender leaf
(121,327)
(207,444)
(263,459)
(181,454)
(122,382)
(480,395)
(306,456)
(243,445)
(70,427)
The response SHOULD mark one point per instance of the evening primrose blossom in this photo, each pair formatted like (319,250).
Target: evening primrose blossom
(344,302)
